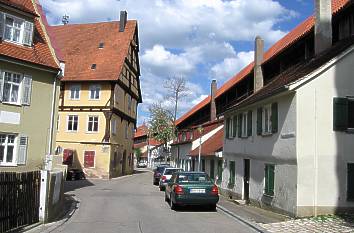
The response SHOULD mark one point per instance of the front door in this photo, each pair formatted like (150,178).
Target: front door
(124,162)
(246,180)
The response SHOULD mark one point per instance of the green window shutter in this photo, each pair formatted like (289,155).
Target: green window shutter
(340,114)
(235,126)
(274,118)
(271,180)
(249,123)
(266,179)
(259,121)
(227,128)
(239,125)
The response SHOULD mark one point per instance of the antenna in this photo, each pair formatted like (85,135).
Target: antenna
(65,19)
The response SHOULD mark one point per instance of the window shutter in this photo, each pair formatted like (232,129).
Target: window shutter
(271,180)
(340,114)
(235,126)
(259,121)
(227,128)
(1,84)
(2,25)
(27,89)
(239,125)
(28,33)
(274,117)
(249,123)
(22,150)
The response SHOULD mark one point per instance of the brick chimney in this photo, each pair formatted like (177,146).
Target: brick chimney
(323,25)
(213,89)
(258,59)
(123,20)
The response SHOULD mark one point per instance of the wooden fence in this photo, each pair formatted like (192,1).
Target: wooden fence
(19,199)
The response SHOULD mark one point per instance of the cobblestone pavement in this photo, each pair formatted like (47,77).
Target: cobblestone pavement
(313,225)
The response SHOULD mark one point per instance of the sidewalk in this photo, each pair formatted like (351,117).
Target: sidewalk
(267,221)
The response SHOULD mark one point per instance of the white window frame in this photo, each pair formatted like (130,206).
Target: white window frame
(14,18)
(114,126)
(15,151)
(93,123)
(267,119)
(73,89)
(94,161)
(20,87)
(244,125)
(95,88)
(67,123)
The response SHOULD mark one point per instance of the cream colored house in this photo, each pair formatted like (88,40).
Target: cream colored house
(99,96)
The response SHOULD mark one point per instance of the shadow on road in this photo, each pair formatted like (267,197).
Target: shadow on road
(76,184)
(140,171)
(194,209)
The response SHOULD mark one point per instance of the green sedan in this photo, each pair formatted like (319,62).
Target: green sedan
(191,188)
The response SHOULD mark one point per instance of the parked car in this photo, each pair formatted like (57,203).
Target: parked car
(166,176)
(75,174)
(191,188)
(157,173)
(142,164)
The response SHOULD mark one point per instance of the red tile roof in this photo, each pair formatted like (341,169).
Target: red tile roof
(141,131)
(23,5)
(41,52)
(210,146)
(79,45)
(293,36)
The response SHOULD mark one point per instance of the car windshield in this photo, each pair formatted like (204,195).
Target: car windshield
(196,178)
(171,171)
(160,169)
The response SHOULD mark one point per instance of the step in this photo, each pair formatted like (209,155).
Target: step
(240,202)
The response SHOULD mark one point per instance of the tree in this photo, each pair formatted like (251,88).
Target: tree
(161,124)
(137,152)
(176,86)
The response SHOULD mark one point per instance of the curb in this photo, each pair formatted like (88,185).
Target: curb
(54,225)
(254,226)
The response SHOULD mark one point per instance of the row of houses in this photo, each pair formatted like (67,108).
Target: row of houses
(279,134)
(68,94)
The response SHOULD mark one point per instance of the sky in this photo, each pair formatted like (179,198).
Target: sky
(200,40)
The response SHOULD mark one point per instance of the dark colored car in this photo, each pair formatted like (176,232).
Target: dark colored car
(157,173)
(75,174)
(191,188)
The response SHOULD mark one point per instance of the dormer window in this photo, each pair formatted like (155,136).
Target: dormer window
(17,30)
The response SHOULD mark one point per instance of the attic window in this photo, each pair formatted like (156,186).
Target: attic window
(101,45)
(93,66)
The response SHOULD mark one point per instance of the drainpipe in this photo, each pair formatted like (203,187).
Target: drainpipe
(315,159)
(51,129)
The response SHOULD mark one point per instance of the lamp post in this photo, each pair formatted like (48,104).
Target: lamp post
(200,130)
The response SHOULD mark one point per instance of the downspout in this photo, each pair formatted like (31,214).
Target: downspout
(315,159)
(51,127)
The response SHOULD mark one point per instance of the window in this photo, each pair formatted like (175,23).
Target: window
(126,131)
(95,92)
(350,181)
(129,103)
(219,171)
(269,180)
(114,126)
(343,114)
(203,165)
(11,91)
(7,149)
(229,127)
(212,162)
(266,122)
(232,172)
(16,30)
(89,159)
(75,92)
(92,124)
(267,119)
(234,131)
(73,121)
(245,124)
(68,157)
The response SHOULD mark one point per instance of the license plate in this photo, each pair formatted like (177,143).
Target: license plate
(197,191)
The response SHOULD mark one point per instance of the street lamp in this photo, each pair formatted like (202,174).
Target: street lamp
(200,130)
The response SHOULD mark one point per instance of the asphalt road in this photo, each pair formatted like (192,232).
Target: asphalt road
(133,205)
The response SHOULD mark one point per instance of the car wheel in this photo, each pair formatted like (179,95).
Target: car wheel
(166,198)
(213,207)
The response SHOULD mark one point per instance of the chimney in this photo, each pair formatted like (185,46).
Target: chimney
(323,25)
(258,59)
(213,89)
(123,20)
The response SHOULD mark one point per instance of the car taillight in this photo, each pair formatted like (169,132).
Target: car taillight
(178,190)
(214,190)
(163,178)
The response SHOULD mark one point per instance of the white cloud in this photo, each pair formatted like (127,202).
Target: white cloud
(231,66)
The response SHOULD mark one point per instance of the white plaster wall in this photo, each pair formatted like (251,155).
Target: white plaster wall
(322,153)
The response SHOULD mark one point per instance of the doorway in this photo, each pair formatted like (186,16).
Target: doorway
(124,162)
(246,180)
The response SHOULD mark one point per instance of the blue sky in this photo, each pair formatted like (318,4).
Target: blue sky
(198,39)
